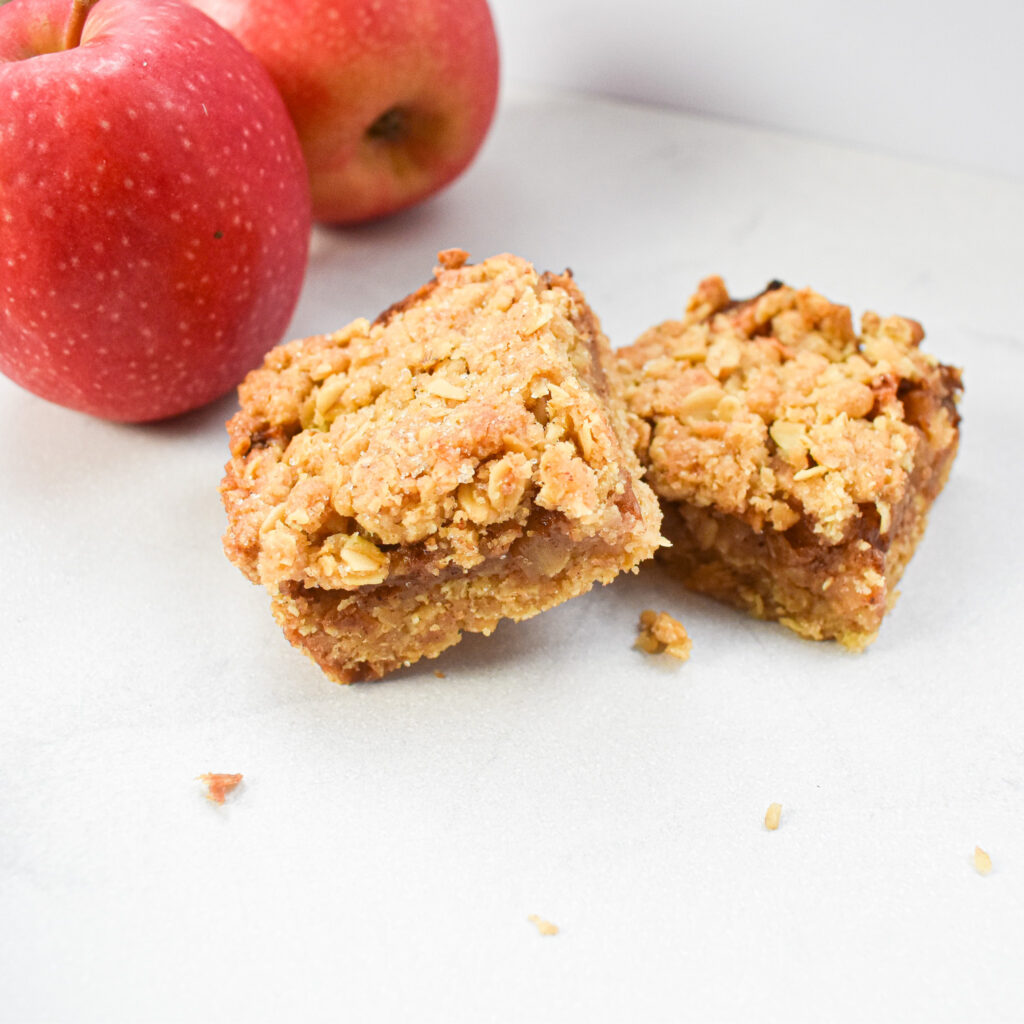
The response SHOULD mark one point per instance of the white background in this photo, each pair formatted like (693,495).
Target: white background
(942,80)
(390,840)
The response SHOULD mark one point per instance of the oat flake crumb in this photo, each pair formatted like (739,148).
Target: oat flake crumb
(219,784)
(544,927)
(982,861)
(772,816)
(660,633)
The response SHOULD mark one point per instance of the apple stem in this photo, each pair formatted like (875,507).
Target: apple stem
(76,22)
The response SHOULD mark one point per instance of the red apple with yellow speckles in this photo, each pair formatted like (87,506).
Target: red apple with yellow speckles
(391,100)
(154,206)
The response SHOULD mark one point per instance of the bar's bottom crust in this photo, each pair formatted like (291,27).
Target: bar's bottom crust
(364,635)
(823,592)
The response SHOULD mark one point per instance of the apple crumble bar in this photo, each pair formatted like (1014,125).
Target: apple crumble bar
(796,461)
(457,461)
(219,784)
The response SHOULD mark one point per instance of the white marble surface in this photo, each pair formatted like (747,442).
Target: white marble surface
(935,79)
(381,858)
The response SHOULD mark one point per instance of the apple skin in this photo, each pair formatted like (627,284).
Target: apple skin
(154,208)
(343,65)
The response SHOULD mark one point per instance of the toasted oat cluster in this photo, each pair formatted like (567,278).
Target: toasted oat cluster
(660,633)
(796,461)
(459,460)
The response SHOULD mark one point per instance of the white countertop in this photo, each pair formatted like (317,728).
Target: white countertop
(389,841)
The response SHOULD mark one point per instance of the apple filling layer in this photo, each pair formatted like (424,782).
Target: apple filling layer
(457,461)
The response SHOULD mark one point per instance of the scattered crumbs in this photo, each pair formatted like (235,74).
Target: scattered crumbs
(544,927)
(219,784)
(660,633)
(982,861)
(438,673)
(772,816)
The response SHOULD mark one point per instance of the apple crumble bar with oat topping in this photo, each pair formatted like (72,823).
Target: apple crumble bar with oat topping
(458,461)
(796,461)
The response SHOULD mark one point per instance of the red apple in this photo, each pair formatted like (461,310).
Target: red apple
(154,206)
(391,100)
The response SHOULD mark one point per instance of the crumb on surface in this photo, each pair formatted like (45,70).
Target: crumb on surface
(772,817)
(543,927)
(219,784)
(982,861)
(438,673)
(661,633)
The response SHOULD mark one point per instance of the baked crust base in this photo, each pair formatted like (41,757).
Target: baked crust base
(366,636)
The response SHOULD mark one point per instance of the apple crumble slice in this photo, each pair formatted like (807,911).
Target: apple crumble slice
(457,461)
(796,461)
